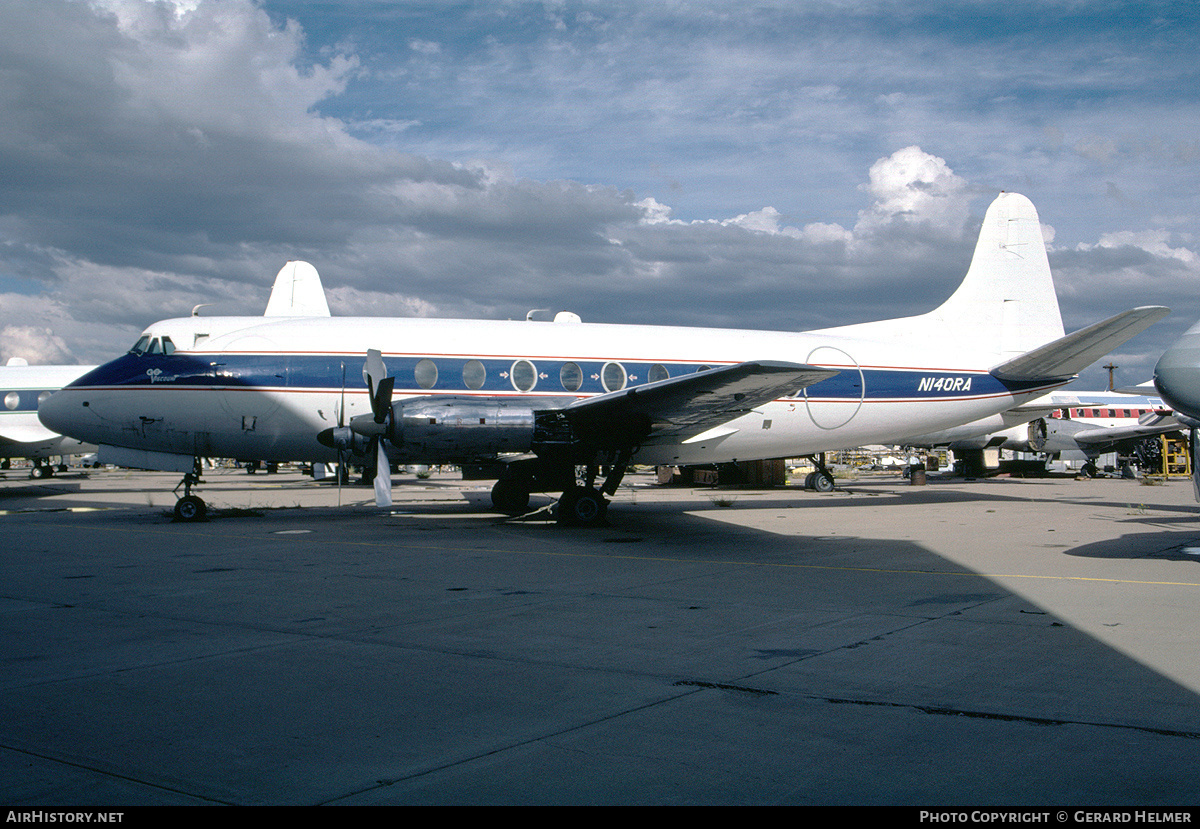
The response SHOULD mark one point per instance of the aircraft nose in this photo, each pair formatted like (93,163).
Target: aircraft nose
(59,413)
(1177,375)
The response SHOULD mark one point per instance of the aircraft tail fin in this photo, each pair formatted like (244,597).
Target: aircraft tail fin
(1006,304)
(297,293)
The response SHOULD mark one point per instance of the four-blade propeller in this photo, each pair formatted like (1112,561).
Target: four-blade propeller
(375,426)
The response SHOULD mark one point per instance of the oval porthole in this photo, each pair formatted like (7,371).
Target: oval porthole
(571,377)
(474,375)
(42,397)
(12,400)
(523,375)
(426,374)
(658,372)
(612,377)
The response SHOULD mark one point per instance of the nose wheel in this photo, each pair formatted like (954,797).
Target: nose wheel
(190,507)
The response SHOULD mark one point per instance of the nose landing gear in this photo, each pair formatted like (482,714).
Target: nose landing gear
(190,507)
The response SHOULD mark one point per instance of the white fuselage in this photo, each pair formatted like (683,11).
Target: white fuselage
(264,389)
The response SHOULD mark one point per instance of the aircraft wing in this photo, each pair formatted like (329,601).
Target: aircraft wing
(1146,389)
(672,410)
(26,433)
(1069,355)
(1104,439)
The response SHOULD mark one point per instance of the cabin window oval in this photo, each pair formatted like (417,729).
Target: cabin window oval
(474,375)
(612,376)
(658,372)
(426,374)
(12,400)
(571,376)
(523,375)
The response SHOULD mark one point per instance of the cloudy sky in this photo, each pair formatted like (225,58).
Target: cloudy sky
(783,165)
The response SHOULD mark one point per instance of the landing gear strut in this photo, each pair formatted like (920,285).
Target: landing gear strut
(586,506)
(190,507)
(822,479)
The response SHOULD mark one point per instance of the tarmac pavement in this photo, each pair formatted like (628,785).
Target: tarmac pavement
(1001,643)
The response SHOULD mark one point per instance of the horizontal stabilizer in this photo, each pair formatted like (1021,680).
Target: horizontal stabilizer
(1069,355)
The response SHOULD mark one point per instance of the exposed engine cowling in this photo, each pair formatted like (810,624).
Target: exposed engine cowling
(458,429)
(1036,434)
(1049,435)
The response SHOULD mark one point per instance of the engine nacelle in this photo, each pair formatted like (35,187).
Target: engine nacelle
(1047,435)
(1035,434)
(460,429)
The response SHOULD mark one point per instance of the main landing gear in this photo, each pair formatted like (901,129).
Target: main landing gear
(582,503)
(582,506)
(822,479)
(190,507)
(579,506)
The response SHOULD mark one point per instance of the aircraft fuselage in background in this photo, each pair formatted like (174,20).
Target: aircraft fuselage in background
(22,435)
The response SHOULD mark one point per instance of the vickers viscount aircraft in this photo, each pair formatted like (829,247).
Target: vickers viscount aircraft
(553,406)
(22,387)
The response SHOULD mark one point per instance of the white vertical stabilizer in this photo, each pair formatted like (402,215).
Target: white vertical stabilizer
(1006,304)
(297,293)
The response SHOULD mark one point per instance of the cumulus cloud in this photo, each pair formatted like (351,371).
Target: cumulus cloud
(914,187)
(154,156)
(34,344)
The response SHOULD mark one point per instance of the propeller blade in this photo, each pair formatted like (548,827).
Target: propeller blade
(383,476)
(381,401)
(379,385)
(374,370)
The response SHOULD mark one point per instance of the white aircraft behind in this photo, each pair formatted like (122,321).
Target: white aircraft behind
(538,401)
(297,292)
(22,435)
(1092,423)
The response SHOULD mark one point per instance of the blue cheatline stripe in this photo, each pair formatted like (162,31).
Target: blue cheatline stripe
(322,372)
(26,399)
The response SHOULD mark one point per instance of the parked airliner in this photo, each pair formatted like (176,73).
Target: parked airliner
(1088,422)
(22,387)
(553,406)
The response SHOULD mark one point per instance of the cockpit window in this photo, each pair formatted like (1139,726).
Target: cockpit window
(168,346)
(140,346)
(155,346)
